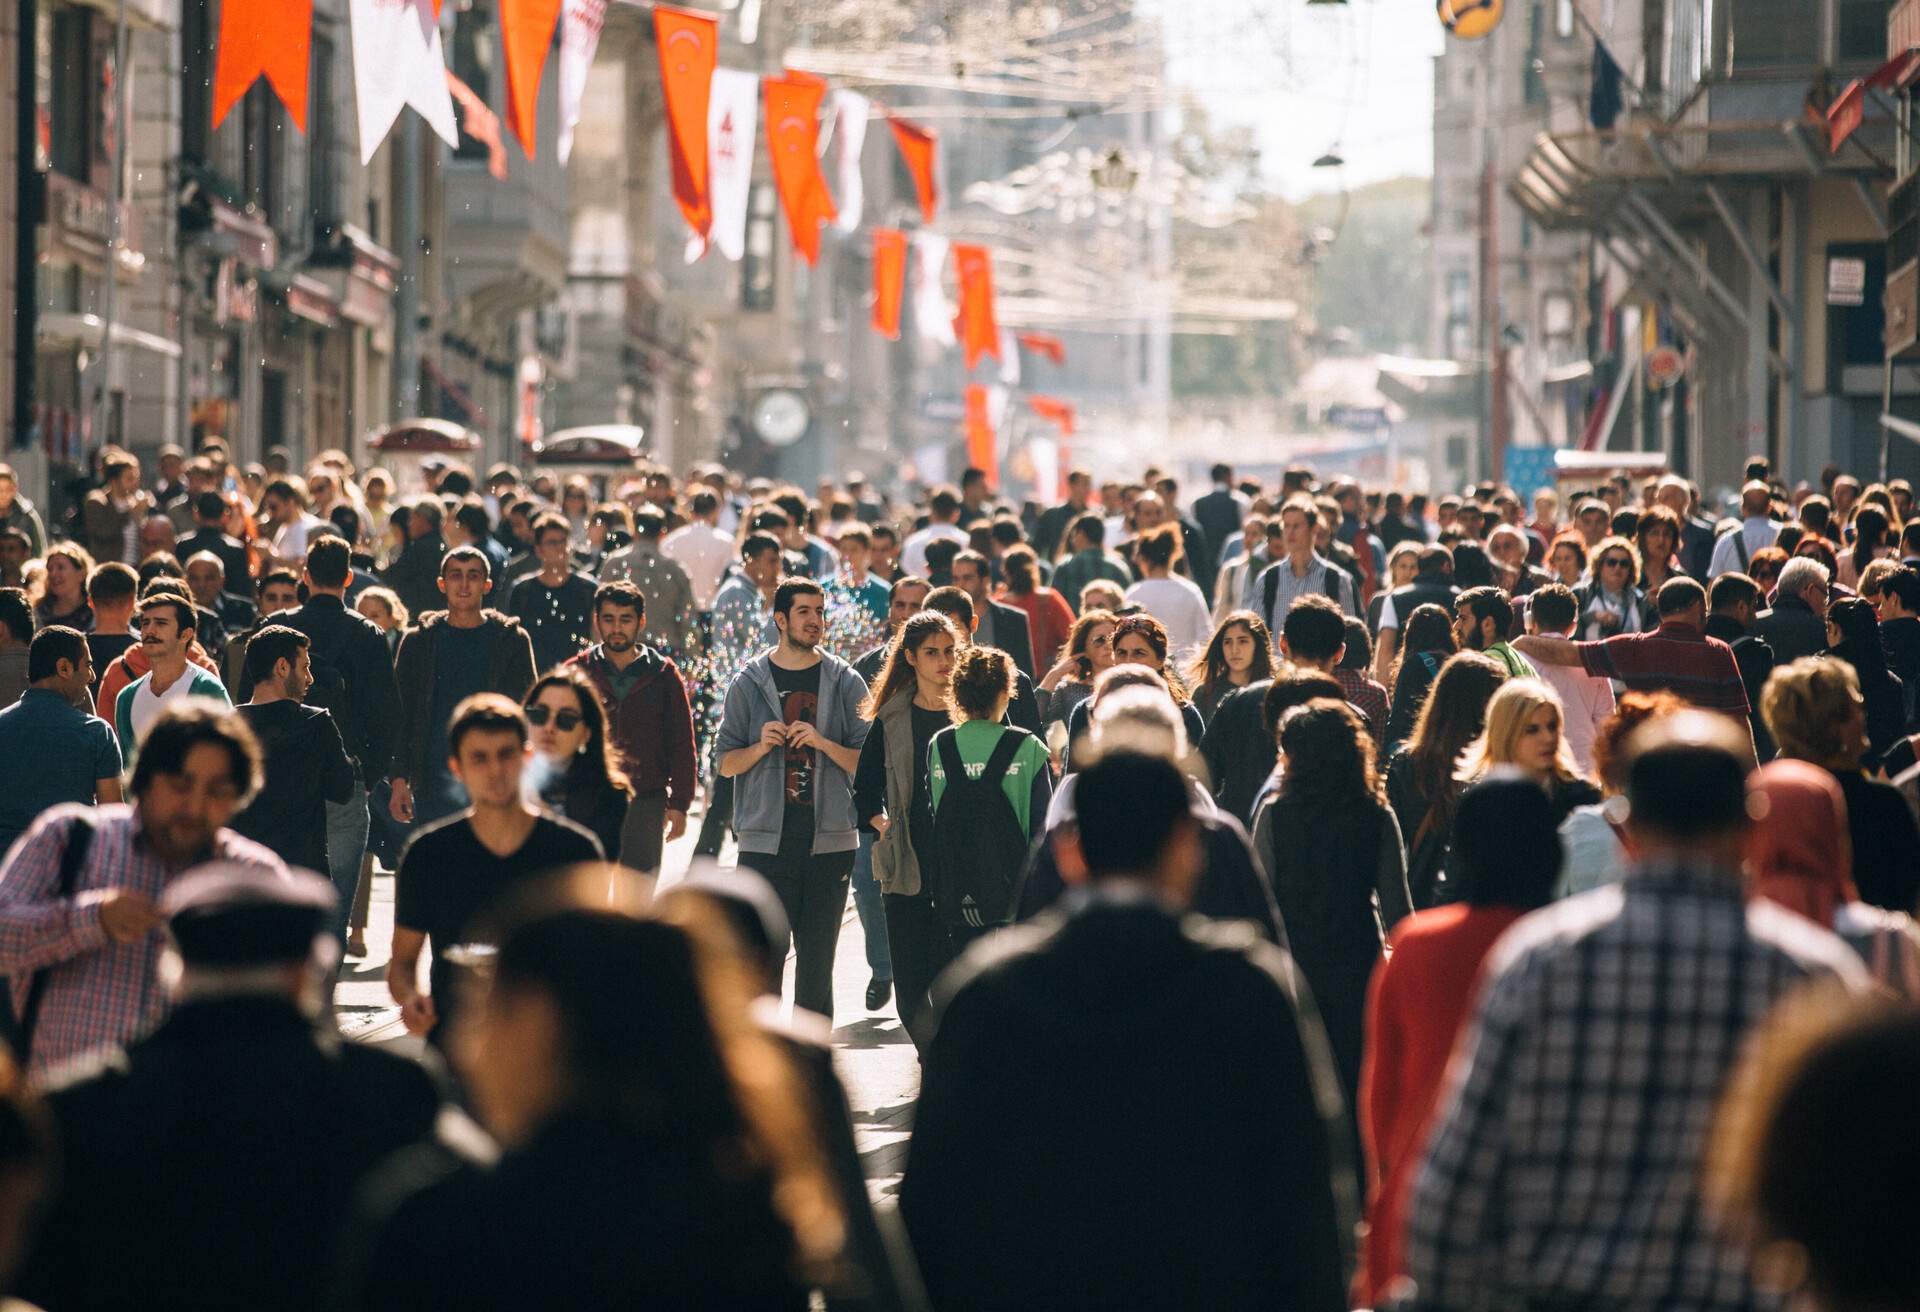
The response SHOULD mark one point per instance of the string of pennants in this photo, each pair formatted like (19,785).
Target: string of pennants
(712,115)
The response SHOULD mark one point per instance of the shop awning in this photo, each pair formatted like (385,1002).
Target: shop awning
(88,330)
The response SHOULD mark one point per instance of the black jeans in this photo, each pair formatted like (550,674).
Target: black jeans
(921,946)
(813,889)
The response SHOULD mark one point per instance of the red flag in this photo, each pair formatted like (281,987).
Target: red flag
(263,38)
(1045,344)
(1845,114)
(916,147)
(480,123)
(1061,414)
(526,33)
(978,332)
(793,128)
(889,280)
(689,47)
(983,451)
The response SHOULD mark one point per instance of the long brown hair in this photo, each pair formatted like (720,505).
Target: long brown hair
(1081,634)
(1453,715)
(598,763)
(1211,665)
(1329,754)
(1156,635)
(896,672)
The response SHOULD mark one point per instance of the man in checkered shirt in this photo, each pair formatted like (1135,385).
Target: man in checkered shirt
(1564,1168)
(198,765)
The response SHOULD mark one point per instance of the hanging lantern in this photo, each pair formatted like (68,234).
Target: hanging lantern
(1470,19)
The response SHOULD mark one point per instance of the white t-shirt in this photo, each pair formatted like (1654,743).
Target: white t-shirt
(913,556)
(1176,603)
(704,553)
(290,539)
(147,705)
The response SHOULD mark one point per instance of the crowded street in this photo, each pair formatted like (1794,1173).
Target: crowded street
(1016,656)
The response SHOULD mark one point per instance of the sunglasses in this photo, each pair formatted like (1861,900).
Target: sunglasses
(564,721)
(1616,562)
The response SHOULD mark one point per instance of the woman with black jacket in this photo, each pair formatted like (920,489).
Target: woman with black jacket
(1422,779)
(1853,634)
(575,768)
(1425,644)
(1339,870)
(907,707)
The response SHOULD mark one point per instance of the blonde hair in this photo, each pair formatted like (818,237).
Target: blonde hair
(1508,711)
(1808,706)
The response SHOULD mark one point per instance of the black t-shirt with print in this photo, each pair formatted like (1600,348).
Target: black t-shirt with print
(799,704)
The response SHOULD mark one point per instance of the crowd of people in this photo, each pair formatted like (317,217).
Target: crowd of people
(1299,896)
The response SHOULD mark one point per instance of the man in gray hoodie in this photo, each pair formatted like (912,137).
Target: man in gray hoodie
(790,737)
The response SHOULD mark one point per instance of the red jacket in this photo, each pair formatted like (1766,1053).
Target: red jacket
(1418,1003)
(652,726)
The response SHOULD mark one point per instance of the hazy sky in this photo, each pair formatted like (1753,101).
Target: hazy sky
(1308,77)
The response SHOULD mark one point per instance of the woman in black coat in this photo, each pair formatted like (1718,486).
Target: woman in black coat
(1339,870)
(574,767)
(1853,633)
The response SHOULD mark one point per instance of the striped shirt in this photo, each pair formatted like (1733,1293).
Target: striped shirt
(1676,658)
(1565,1160)
(99,993)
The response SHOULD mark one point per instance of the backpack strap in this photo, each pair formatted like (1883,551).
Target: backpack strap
(72,856)
(1269,591)
(1002,759)
(947,745)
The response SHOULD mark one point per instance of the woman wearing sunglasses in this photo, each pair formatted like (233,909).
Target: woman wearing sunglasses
(1610,602)
(574,770)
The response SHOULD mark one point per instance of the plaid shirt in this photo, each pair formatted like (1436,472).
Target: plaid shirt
(1367,697)
(1676,658)
(1564,1164)
(99,993)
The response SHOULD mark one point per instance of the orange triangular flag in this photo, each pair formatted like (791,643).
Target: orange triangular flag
(889,280)
(916,147)
(480,123)
(526,33)
(975,325)
(1059,413)
(983,452)
(689,48)
(269,38)
(1045,344)
(793,128)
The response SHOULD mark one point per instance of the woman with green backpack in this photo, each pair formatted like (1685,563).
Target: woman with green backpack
(989,784)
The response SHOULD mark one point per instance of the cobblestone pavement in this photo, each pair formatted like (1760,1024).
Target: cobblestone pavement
(876,1060)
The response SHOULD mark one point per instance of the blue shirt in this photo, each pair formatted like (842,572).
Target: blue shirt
(70,751)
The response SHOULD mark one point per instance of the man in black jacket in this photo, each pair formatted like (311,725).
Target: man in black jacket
(305,766)
(1049,1166)
(1797,624)
(210,513)
(353,678)
(1220,512)
(450,656)
(415,573)
(999,625)
(223,1153)
(1733,602)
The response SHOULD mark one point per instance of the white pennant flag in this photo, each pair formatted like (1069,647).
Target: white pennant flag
(397,62)
(1009,357)
(580,24)
(733,113)
(932,311)
(850,113)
